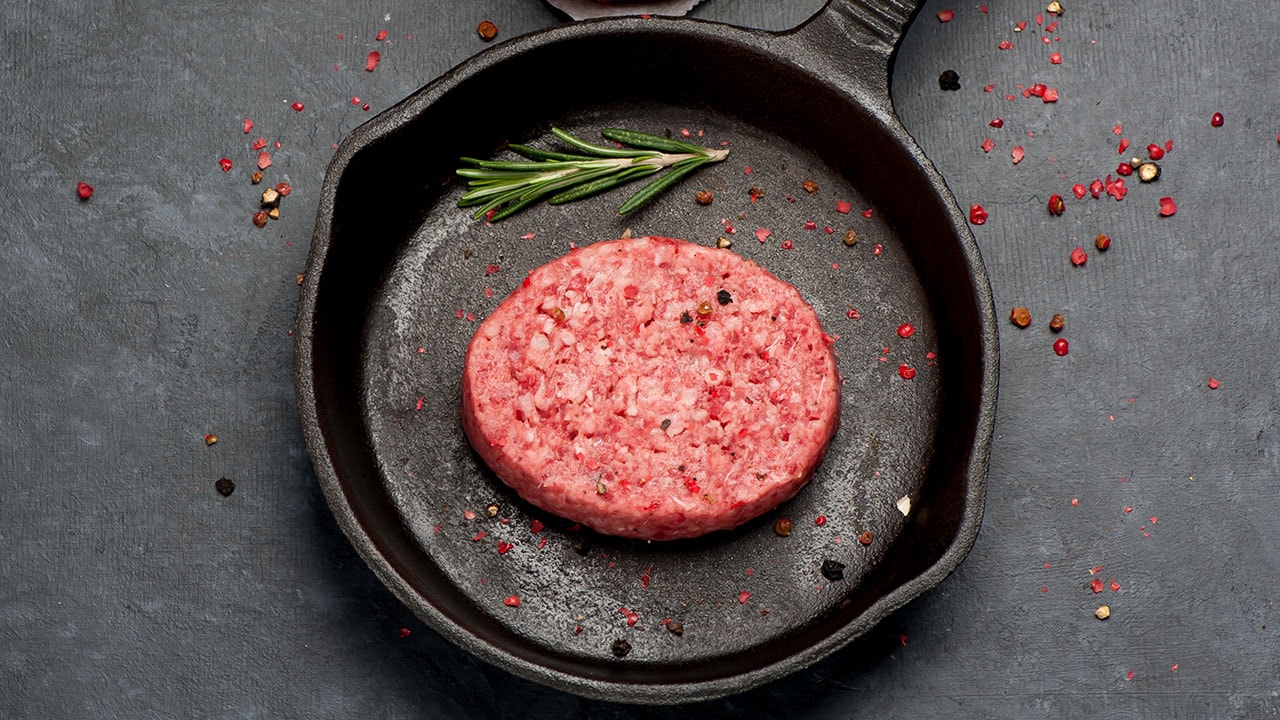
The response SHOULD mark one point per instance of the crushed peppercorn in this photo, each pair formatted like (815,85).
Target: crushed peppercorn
(703,197)
(675,627)
(284,188)
(851,238)
(833,570)
(866,537)
(723,297)
(1056,204)
(1103,612)
(225,486)
(256,177)
(260,218)
(756,193)
(704,308)
(949,80)
(665,424)
(300,278)
(1148,172)
(492,510)
(1057,322)
(809,186)
(724,242)
(685,317)
(1020,317)
(274,213)
(1102,242)
(620,648)
(210,439)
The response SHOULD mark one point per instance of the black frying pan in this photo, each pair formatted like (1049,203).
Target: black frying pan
(380,348)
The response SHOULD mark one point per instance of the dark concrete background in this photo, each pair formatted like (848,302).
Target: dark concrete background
(139,321)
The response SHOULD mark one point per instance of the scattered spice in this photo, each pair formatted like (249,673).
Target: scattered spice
(1124,169)
(1148,172)
(946,16)
(1102,242)
(850,238)
(906,330)
(1155,152)
(512,601)
(225,486)
(866,537)
(1214,384)
(298,107)
(1124,145)
(988,145)
(820,520)
(256,177)
(1054,8)
(782,526)
(1056,205)
(84,190)
(270,197)
(997,123)
(487,30)
(1020,317)
(703,197)
(977,214)
(755,193)
(1078,257)
(1096,585)
(210,439)
(225,164)
(675,627)
(1061,347)
(1167,206)
(743,597)
(833,570)
(843,207)
(260,218)
(491,510)
(906,372)
(949,80)
(724,243)
(1057,322)
(1217,120)
(1103,612)
(371,61)
(284,189)
(1018,153)
(723,297)
(620,648)
(809,186)
(300,278)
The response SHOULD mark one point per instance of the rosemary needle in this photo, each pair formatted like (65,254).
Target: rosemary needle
(500,188)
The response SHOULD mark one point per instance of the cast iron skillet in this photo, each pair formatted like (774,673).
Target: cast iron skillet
(394,264)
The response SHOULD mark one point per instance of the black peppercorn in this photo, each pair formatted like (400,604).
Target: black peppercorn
(723,297)
(949,80)
(621,648)
(832,570)
(225,486)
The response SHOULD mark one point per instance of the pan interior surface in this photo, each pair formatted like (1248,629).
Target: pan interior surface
(406,277)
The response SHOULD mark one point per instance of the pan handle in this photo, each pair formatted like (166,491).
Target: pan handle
(859,39)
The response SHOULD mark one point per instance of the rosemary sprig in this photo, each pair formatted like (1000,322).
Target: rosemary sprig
(504,187)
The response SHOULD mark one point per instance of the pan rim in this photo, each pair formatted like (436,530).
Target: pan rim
(368,547)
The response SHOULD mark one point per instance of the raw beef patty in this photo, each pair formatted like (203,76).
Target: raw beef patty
(652,388)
